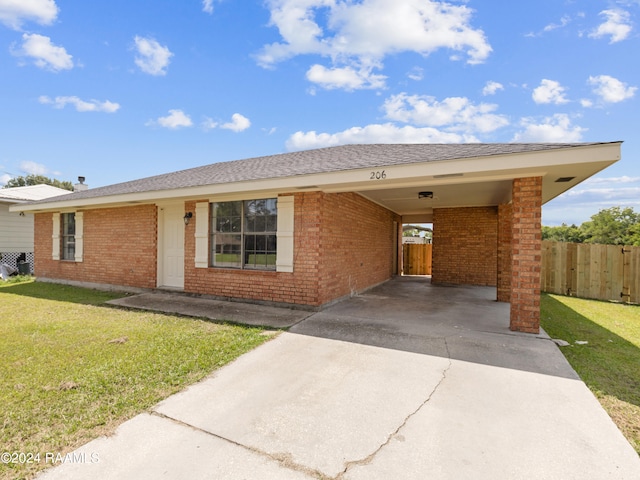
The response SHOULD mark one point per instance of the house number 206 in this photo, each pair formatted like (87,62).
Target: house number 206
(377,175)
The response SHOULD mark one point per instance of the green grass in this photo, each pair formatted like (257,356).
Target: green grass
(73,369)
(610,362)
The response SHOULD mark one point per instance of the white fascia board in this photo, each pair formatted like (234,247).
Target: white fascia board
(528,164)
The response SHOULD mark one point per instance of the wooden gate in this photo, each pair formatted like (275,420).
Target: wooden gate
(603,272)
(416,259)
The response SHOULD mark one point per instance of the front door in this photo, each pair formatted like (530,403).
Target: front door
(172,255)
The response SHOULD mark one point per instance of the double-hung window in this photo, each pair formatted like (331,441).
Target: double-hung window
(68,236)
(243,234)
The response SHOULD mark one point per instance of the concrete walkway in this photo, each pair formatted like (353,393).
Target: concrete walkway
(408,381)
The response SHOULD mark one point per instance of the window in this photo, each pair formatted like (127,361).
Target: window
(243,234)
(68,236)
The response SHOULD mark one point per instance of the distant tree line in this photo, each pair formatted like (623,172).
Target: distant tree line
(38,180)
(610,226)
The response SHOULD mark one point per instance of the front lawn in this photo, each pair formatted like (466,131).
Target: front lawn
(609,361)
(73,369)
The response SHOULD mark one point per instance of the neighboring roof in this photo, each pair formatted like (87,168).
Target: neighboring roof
(323,160)
(30,193)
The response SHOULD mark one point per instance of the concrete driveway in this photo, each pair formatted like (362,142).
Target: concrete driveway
(407,381)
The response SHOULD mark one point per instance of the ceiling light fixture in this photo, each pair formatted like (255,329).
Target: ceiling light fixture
(425,194)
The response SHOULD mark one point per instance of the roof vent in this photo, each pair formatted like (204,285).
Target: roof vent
(564,179)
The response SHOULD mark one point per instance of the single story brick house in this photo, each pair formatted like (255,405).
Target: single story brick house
(308,228)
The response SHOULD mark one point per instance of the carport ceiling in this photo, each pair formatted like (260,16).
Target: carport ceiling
(405,201)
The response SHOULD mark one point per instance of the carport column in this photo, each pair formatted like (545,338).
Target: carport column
(526,243)
(504,252)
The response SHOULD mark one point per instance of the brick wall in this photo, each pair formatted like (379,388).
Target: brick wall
(357,245)
(526,254)
(341,241)
(504,252)
(299,287)
(120,246)
(464,245)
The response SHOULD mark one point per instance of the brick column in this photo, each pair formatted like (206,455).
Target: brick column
(526,254)
(504,253)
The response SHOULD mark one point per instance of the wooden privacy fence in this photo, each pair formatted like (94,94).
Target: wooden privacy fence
(416,258)
(602,272)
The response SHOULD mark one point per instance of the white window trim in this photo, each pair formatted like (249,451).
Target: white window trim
(55,244)
(202,235)
(284,234)
(79,236)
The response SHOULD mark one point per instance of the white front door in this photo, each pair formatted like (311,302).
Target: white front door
(172,255)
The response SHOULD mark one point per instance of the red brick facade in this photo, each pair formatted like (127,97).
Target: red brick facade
(120,248)
(504,253)
(526,254)
(464,245)
(342,244)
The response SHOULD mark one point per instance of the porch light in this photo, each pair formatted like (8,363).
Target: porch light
(187,217)
(425,194)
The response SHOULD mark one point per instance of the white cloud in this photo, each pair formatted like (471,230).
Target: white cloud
(617,25)
(13,13)
(238,123)
(555,129)
(416,74)
(376,133)
(453,113)
(346,78)
(610,89)
(491,88)
(359,35)
(4,178)
(564,21)
(207,6)
(586,103)
(549,91)
(612,180)
(33,168)
(81,105)
(44,54)
(176,119)
(208,124)
(152,58)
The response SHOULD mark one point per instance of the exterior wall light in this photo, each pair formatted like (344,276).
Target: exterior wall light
(187,217)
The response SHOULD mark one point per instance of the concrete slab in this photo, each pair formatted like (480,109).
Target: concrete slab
(244,313)
(408,381)
(488,423)
(322,403)
(149,447)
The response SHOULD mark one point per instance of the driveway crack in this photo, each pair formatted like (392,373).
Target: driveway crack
(369,458)
(285,460)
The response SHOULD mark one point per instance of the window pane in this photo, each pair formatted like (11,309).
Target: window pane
(227,250)
(271,224)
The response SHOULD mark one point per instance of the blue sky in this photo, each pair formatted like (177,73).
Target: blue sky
(121,90)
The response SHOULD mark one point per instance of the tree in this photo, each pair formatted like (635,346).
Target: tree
(38,180)
(563,233)
(613,226)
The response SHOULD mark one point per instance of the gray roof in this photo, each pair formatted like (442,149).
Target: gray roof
(322,160)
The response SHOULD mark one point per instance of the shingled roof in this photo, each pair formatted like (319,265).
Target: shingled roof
(323,160)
